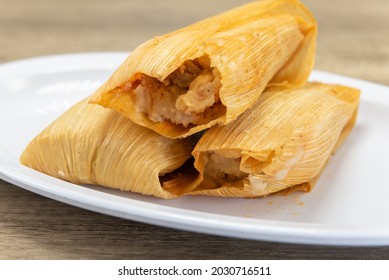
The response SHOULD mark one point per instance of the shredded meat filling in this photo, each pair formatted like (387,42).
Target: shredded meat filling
(203,93)
(190,95)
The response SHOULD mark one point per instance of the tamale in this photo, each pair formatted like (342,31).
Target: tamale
(212,71)
(280,145)
(89,144)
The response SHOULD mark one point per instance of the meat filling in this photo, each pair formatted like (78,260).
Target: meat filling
(188,96)
(223,166)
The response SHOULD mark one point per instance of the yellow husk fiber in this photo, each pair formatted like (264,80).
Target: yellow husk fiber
(252,46)
(284,141)
(92,145)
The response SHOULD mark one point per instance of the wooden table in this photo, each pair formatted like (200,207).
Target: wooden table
(354,41)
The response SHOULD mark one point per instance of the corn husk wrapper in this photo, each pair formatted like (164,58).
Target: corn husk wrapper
(284,141)
(92,145)
(252,46)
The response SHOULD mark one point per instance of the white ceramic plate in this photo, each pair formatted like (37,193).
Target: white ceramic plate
(348,206)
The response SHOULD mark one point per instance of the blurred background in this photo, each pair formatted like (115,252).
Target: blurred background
(353,41)
(352,34)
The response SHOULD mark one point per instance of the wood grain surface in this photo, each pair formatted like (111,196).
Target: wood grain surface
(353,41)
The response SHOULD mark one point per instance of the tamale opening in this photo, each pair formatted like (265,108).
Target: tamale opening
(223,167)
(189,96)
(231,172)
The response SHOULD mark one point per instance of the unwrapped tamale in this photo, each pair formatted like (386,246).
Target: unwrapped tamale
(280,145)
(89,144)
(212,71)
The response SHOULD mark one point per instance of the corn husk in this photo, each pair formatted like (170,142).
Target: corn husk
(283,142)
(252,46)
(92,145)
